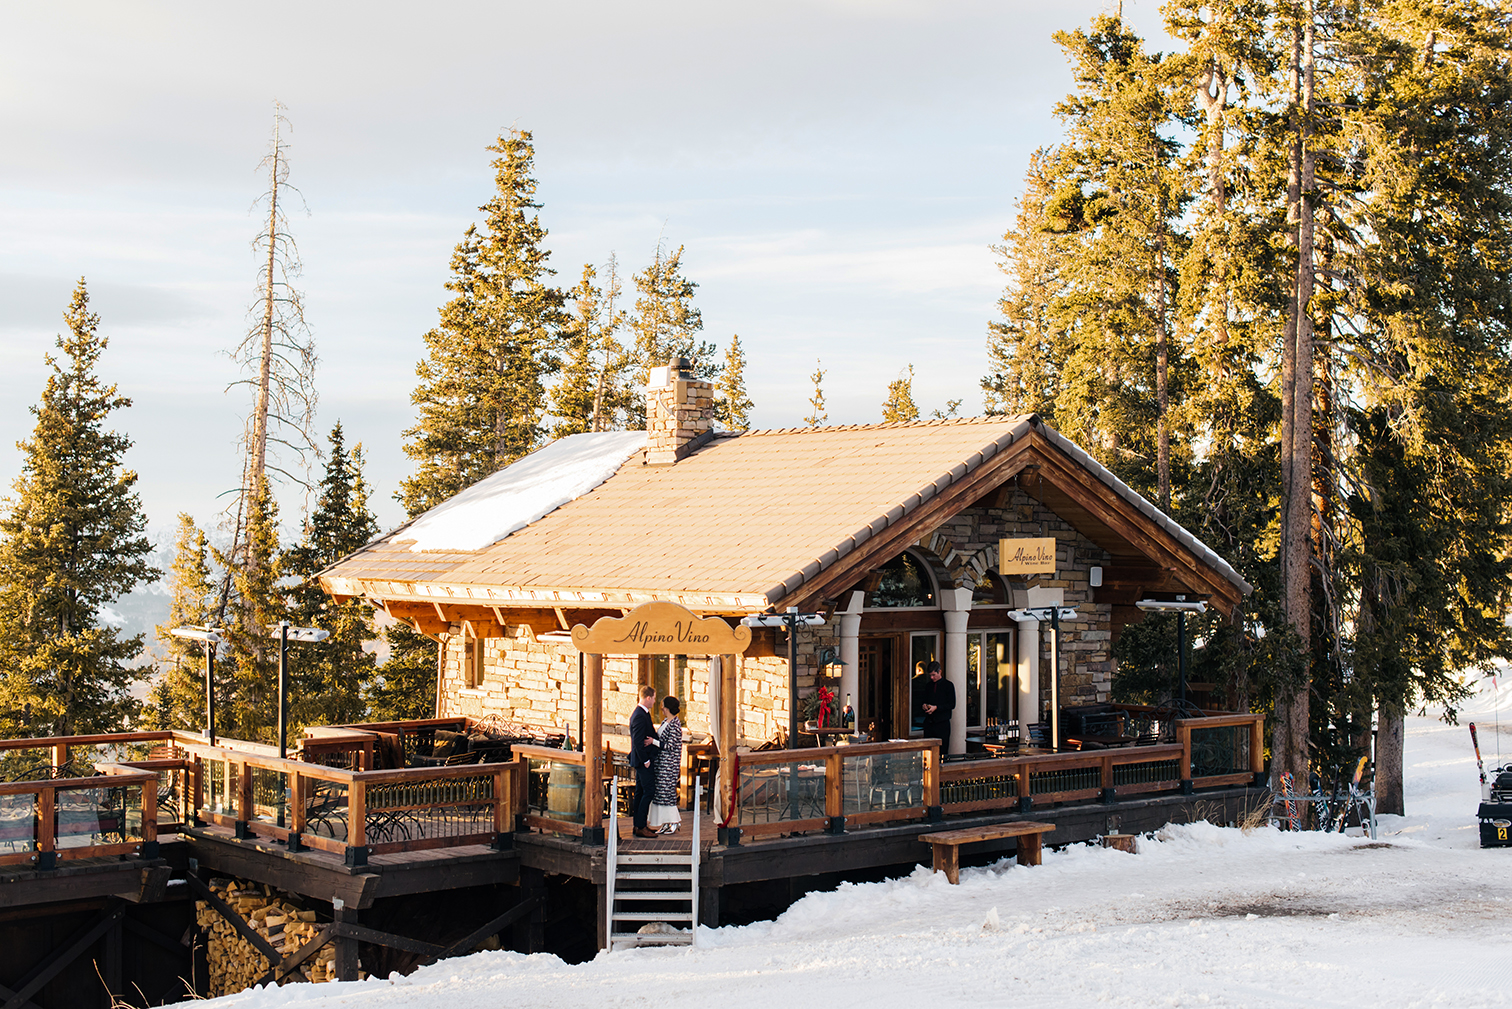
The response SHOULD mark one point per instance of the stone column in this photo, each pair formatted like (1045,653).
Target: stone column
(850,648)
(957,605)
(1028,675)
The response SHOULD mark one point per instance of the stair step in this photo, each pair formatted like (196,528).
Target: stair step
(653,858)
(668,916)
(653,895)
(659,938)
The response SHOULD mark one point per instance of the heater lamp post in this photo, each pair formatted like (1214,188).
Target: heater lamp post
(211,637)
(1054,614)
(792,620)
(284,633)
(1181,607)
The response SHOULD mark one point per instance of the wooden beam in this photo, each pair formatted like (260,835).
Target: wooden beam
(421,616)
(467,943)
(37,978)
(593,740)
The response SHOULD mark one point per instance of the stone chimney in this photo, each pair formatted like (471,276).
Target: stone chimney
(679,413)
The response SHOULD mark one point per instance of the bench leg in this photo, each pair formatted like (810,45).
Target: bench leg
(1029,847)
(947,859)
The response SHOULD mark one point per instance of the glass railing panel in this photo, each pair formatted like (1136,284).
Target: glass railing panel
(325,805)
(98,815)
(18,823)
(1222,749)
(882,781)
(771,793)
(554,789)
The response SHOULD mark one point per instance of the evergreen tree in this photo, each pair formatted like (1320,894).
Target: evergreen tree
(899,404)
(405,685)
(592,392)
(817,413)
(71,541)
(247,687)
(328,681)
(481,398)
(177,697)
(732,406)
(1027,348)
(666,322)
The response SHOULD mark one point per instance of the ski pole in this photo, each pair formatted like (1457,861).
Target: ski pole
(1479,765)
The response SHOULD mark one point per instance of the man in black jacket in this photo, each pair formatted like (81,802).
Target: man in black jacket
(939,702)
(643,759)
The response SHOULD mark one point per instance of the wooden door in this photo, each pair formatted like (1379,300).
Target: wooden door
(875,681)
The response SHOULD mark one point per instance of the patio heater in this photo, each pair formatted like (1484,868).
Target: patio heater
(1181,607)
(1053,614)
(211,637)
(792,620)
(285,634)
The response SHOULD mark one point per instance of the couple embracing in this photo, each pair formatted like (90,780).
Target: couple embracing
(656,756)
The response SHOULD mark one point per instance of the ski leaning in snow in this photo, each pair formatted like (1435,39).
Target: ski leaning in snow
(1293,812)
(1479,765)
(1354,798)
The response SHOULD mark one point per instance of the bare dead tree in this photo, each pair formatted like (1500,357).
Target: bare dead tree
(277,355)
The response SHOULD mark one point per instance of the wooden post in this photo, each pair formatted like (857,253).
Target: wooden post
(834,794)
(932,775)
(1184,737)
(346,966)
(47,835)
(1107,771)
(149,816)
(1257,745)
(357,814)
(503,803)
(729,727)
(197,795)
(296,802)
(112,966)
(593,744)
(244,793)
(60,755)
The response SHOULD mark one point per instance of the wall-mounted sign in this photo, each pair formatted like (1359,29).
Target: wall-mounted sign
(661,628)
(1026,556)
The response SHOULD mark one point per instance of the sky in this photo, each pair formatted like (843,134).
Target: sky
(836,170)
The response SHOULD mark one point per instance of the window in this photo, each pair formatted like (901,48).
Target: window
(905,581)
(472,662)
(990,590)
(924,649)
(991,693)
(669,675)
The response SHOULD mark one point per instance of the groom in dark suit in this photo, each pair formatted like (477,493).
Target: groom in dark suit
(643,759)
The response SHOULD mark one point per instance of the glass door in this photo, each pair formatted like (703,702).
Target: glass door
(991,693)
(924,648)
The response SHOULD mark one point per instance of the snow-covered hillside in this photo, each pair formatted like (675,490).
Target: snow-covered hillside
(1202,916)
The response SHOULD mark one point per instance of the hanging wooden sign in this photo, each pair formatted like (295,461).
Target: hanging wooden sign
(661,628)
(1027,556)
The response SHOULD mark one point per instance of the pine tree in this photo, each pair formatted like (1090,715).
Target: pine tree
(177,697)
(899,404)
(405,685)
(592,391)
(817,413)
(480,401)
(71,541)
(666,322)
(1026,350)
(247,689)
(328,681)
(732,406)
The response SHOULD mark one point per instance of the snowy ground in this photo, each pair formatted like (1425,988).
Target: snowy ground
(1202,916)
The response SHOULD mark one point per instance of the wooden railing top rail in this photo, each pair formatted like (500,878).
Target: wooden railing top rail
(32,742)
(341,775)
(968,769)
(408,723)
(338,734)
(1218,721)
(817,754)
(549,753)
(124,776)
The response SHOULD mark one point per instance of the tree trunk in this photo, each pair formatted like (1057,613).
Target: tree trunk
(1162,365)
(1388,760)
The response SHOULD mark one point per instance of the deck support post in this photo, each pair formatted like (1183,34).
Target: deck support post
(111,968)
(729,720)
(708,906)
(593,748)
(346,964)
(530,931)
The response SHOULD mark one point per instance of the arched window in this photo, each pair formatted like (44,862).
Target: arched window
(905,581)
(990,590)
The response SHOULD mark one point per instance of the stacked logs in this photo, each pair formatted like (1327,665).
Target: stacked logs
(235,964)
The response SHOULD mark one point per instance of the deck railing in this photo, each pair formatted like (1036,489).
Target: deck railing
(554,791)
(113,813)
(352,813)
(790,791)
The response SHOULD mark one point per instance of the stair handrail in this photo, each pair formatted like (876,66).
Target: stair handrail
(693,869)
(611,861)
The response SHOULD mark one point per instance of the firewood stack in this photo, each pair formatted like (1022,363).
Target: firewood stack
(234,964)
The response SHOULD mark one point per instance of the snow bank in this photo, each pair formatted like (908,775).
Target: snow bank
(524,491)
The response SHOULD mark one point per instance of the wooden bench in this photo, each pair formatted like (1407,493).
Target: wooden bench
(947,843)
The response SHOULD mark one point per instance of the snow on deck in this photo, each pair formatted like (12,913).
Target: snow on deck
(523,491)
(1202,916)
